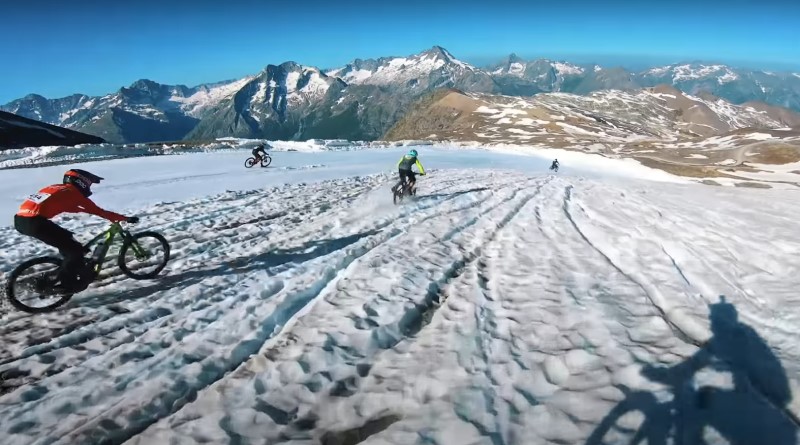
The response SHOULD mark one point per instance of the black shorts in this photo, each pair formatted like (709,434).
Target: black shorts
(408,174)
(51,234)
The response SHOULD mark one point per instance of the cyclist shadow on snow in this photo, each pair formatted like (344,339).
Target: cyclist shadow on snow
(263,261)
(753,411)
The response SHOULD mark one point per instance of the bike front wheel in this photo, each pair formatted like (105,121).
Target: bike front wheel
(30,287)
(250,162)
(266,160)
(144,255)
(397,193)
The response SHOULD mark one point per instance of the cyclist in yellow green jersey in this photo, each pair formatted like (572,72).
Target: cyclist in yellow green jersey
(404,168)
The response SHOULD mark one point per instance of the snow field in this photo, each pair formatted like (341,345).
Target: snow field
(499,306)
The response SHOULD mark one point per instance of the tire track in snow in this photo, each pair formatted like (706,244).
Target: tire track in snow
(157,405)
(707,289)
(114,329)
(652,294)
(115,321)
(297,309)
(98,290)
(173,398)
(486,327)
(409,321)
(470,266)
(419,314)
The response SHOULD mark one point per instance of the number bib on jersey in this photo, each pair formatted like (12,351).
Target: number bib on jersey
(38,198)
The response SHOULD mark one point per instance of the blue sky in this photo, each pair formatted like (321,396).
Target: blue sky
(96,46)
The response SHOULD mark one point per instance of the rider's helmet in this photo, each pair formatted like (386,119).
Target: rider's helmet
(412,152)
(81,179)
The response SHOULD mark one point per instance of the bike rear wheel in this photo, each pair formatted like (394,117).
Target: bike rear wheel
(144,255)
(30,286)
(266,160)
(249,162)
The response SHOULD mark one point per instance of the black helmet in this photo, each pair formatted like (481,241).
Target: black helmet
(81,179)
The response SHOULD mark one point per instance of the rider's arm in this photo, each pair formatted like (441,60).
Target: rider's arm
(400,161)
(420,167)
(88,206)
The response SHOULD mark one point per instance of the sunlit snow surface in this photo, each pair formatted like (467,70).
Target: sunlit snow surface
(504,305)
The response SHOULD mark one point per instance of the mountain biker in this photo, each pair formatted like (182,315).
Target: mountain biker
(71,196)
(554,165)
(404,169)
(257,152)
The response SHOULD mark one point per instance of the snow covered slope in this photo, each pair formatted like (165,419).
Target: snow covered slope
(498,307)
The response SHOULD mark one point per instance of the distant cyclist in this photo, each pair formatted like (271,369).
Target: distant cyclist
(259,152)
(554,165)
(404,168)
(72,196)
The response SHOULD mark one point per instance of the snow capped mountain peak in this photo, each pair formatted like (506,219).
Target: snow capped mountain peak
(205,96)
(659,71)
(567,69)
(278,88)
(539,68)
(685,72)
(399,70)
(695,71)
(438,51)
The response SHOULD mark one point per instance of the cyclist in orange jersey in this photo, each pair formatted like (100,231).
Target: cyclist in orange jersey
(72,196)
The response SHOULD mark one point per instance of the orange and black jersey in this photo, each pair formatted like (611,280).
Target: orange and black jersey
(56,199)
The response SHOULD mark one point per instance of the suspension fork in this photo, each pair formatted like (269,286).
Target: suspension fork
(138,250)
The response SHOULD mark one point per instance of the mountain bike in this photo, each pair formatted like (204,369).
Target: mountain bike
(32,288)
(265,161)
(403,189)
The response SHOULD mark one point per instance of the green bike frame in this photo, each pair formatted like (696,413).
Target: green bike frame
(107,237)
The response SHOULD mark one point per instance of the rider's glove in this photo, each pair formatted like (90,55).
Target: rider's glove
(133,219)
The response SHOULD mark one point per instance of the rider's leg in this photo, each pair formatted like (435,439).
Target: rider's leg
(412,180)
(403,177)
(56,236)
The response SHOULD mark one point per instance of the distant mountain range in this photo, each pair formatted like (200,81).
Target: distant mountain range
(365,98)
(611,119)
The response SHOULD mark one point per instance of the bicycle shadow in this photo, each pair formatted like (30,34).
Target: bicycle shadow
(264,261)
(754,411)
